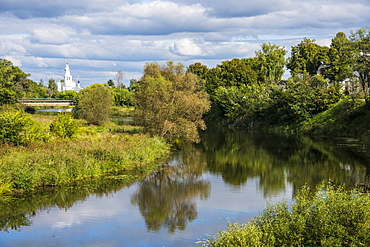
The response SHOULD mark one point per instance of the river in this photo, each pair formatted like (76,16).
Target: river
(229,176)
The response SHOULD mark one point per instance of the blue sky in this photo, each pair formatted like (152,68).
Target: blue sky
(101,37)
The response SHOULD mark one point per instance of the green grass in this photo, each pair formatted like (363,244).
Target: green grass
(96,151)
(24,169)
(347,118)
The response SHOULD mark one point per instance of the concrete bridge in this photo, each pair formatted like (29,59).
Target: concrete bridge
(46,102)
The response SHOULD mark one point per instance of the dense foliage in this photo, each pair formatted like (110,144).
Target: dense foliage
(330,216)
(250,93)
(17,128)
(169,102)
(14,84)
(64,126)
(94,104)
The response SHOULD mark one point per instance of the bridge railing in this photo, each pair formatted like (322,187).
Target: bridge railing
(46,102)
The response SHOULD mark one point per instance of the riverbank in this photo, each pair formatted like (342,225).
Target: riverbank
(325,216)
(96,151)
(348,118)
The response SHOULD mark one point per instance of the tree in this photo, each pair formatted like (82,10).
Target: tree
(52,87)
(169,102)
(198,69)
(121,96)
(361,51)
(12,81)
(271,61)
(306,56)
(119,78)
(340,65)
(94,104)
(133,83)
(110,83)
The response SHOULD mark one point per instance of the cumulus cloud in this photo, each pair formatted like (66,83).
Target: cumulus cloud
(49,36)
(186,47)
(104,36)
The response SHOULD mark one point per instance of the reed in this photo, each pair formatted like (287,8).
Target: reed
(26,168)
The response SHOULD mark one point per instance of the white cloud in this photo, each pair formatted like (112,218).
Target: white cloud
(186,47)
(49,36)
(104,36)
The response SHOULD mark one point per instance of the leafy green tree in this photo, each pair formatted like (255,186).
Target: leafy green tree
(121,96)
(68,94)
(303,96)
(271,61)
(52,88)
(64,126)
(341,62)
(306,56)
(169,102)
(198,69)
(236,72)
(361,50)
(12,81)
(132,87)
(94,104)
(242,101)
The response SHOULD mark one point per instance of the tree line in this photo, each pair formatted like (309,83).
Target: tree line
(174,102)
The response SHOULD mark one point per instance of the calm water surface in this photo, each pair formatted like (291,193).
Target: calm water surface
(229,176)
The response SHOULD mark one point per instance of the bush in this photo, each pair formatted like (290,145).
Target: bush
(64,126)
(329,217)
(13,127)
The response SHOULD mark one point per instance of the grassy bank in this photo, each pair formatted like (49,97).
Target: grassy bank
(347,118)
(96,151)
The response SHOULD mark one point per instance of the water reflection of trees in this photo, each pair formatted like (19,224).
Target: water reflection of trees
(278,159)
(16,213)
(167,198)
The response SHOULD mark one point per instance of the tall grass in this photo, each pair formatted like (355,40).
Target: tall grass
(23,169)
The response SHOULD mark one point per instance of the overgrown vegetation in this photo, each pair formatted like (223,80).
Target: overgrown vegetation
(347,118)
(64,126)
(100,151)
(329,216)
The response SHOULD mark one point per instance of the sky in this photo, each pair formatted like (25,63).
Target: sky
(98,38)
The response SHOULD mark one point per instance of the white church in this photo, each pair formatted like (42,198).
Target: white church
(68,83)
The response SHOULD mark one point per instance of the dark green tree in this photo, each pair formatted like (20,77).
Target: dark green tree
(198,69)
(110,83)
(361,50)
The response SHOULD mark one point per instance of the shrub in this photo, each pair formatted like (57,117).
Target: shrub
(13,127)
(64,126)
(331,216)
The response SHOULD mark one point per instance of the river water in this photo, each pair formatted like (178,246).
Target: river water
(229,176)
